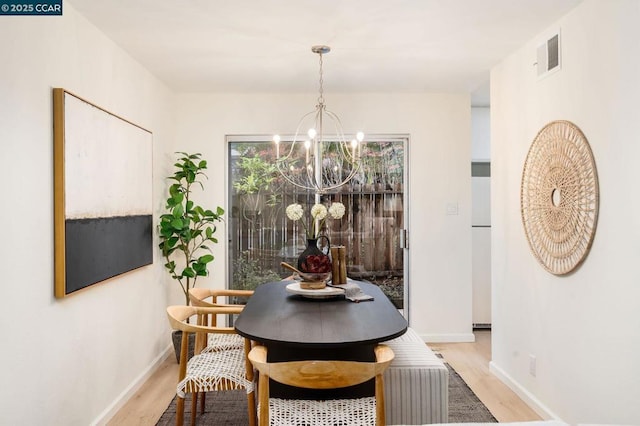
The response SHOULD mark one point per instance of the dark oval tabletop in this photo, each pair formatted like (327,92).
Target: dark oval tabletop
(273,316)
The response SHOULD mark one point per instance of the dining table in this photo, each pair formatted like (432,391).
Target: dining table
(303,325)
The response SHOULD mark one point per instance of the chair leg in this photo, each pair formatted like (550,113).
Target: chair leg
(179,411)
(263,397)
(202,402)
(251,403)
(251,397)
(194,407)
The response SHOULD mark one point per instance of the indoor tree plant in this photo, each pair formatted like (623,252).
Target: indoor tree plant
(187,229)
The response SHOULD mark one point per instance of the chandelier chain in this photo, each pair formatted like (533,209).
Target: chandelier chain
(321,97)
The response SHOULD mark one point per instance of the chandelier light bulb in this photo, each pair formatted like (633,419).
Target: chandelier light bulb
(312,133)
(360,136)
(354,145)
(307,145)
(276,140)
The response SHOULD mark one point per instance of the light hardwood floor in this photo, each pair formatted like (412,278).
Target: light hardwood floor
(470,360)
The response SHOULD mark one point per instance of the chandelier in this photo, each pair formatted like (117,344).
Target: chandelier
(319,158)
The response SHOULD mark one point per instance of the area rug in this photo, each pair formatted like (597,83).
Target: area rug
(229,408)
(464,405)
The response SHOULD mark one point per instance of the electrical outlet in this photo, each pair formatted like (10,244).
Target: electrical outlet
(532,365)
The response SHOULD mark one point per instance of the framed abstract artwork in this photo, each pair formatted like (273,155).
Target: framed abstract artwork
(102,194)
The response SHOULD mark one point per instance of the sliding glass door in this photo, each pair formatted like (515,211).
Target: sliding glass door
(372,229)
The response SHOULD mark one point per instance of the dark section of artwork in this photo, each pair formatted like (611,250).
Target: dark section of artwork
(101,248)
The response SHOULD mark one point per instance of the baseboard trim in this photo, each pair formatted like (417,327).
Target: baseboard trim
(528,398)
(124,397)
(448,338)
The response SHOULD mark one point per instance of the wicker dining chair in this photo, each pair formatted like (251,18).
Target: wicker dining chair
(206,297)
(325,374)
(220,370)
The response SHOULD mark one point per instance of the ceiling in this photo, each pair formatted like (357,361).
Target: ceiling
(376,46)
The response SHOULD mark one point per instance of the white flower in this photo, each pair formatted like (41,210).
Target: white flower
(294,212)
(336,210)
(318,211)
(319,214)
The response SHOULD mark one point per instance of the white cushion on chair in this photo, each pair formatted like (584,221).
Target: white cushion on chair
(211,371)
(223,342)
(334,412)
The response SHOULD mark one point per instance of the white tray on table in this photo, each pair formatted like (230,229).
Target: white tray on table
(319,293)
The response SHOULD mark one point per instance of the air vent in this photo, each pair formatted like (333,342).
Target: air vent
(548,55)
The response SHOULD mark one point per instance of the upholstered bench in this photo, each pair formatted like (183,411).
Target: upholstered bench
(416,384)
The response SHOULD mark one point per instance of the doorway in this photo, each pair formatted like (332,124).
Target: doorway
(260,235)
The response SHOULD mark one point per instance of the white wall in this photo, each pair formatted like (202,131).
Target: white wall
(481,218)
(66,361)
(480,133)
(584,329)
(439,153)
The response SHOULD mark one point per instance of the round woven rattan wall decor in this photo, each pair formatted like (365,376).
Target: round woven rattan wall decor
(559,197)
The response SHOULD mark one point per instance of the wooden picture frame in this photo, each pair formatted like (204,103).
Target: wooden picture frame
(102,194)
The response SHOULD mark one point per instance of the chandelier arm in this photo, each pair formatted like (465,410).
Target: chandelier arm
(349,154)
(313,185)
(296,184)
(337,125)
(295,138)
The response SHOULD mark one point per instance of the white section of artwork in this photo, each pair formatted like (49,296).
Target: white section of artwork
(108,163)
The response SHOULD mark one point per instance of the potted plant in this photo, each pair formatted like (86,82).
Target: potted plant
(187,229)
